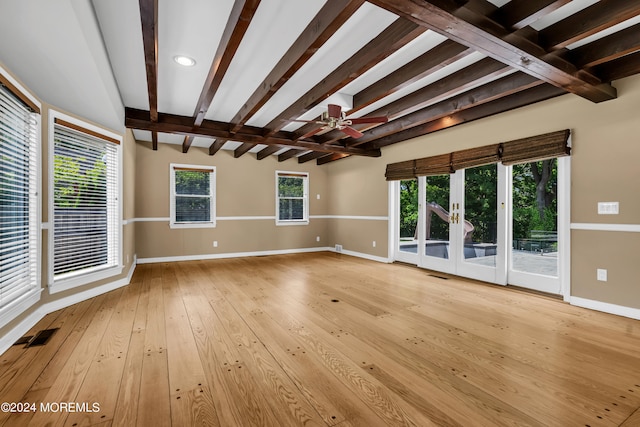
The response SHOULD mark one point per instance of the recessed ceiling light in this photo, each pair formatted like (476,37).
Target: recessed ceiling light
(185,61)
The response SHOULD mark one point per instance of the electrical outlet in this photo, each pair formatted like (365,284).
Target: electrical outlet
(215,243)
(601,274)
(317,238)
(338,248)
(374,243)
(318,196)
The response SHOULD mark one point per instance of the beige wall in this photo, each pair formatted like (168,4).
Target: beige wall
(245,187)
(604,167)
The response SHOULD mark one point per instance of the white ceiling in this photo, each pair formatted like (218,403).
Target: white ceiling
(55,48)
(86,56)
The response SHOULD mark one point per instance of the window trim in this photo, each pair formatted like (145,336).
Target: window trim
(172,195)
(90,275)
(21,304)
(305,198)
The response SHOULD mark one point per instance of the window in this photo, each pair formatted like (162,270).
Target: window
(292,198)
(192,196)
(85,207)
(19,228)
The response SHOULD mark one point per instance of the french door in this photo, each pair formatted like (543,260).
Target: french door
(484,223)
(460,229)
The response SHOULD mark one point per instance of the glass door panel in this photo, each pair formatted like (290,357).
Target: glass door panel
(437,218)
(480,228)
(481,223)
(436,230)
(408,221)
(534,226)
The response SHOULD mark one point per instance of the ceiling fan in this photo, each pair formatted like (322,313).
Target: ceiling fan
(335,118)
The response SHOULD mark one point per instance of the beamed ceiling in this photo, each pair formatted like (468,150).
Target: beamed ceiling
(426,65)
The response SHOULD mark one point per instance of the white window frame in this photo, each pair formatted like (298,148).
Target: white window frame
(305,219)
(172,199)
(18,306)
(72,280)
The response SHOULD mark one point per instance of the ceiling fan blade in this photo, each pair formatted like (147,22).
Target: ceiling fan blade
(351,132)
(311,133)
(362,120)
(334,110)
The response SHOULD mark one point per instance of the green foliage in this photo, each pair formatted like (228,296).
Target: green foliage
(192,182)
(290,187)
(75,187)
(527,207)
(408,208)
(481,204)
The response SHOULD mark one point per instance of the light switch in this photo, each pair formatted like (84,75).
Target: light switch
(608,208)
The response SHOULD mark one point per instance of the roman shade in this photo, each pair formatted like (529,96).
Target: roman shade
(540,147)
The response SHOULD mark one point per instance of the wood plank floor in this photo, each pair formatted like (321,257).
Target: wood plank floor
(325,340)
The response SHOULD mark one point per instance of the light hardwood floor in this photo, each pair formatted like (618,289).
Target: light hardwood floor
(260,342)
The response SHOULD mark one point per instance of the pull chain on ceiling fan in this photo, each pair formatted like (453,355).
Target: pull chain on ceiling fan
(335,118)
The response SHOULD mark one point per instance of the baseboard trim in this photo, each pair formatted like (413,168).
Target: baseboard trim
(203,257)
(363,255)
(23,327)
(606,307)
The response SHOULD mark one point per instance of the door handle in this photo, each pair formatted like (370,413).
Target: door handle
(453,218)
(457,218)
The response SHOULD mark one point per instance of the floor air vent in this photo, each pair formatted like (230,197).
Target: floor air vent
(40,338)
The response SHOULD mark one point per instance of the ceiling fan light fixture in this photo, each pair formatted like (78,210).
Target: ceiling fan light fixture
(185,61)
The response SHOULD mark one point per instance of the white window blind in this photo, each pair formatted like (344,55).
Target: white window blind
(292,204)
(192,196)
(86,228)
(18,199)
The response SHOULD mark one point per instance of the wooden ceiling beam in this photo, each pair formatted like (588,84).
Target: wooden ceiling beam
(517,100)
(267,151)
(328,20)
(216,146)
(234,31)
(395,36)
(593,19)
(149,22)
(447,17)
(444,54)
(620,68)
(242,149)
(182,125)
(607,48)
(237,25)
(489,92)
(330,158)
(518,14)
(287,155)
(186,144)
(311,155)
